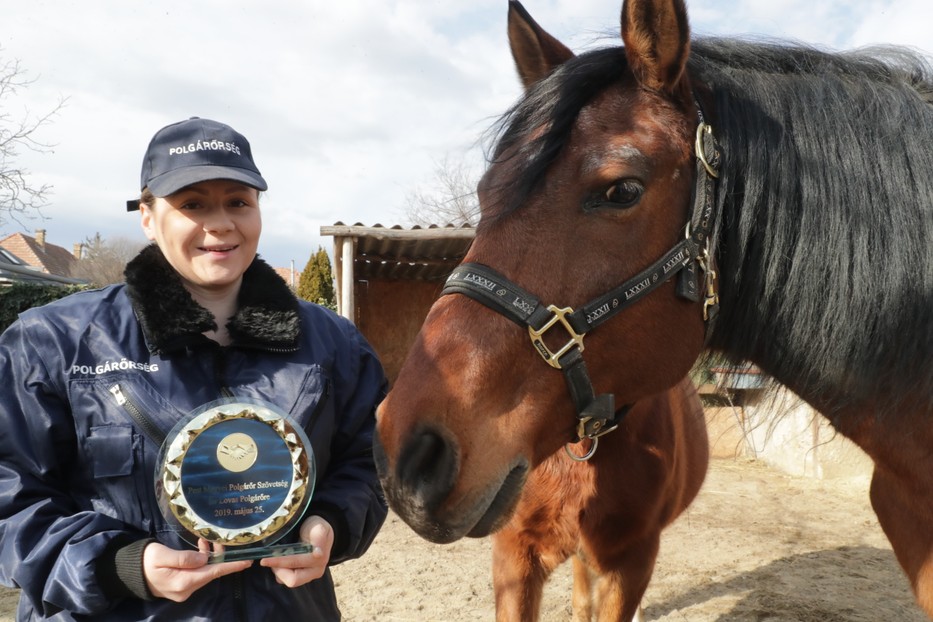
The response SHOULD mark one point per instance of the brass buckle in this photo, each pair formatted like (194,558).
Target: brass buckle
(709,277)
(537,336)
(596,428)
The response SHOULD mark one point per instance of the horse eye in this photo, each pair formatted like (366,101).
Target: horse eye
(624,193)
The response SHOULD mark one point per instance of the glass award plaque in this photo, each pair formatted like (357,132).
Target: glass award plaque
(236,472)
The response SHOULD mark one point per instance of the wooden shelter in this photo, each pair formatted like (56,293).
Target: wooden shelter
(388,278)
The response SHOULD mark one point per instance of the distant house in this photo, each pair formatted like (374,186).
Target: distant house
(15,270)
(290,276)
(41,255)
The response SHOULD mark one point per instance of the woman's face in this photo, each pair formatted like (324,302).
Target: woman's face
(208,232)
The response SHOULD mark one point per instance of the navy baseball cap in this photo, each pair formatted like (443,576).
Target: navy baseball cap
(193,151)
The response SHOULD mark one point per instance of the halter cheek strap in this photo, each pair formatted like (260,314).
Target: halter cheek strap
(690,260)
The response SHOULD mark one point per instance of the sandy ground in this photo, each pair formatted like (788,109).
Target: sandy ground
(756,546)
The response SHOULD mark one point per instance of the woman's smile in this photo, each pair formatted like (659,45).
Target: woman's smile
(209,232)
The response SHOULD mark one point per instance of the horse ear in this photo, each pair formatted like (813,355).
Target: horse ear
(536,53)
(657,41)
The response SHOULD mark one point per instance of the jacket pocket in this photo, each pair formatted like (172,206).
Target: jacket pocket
(111,450)
(118,486)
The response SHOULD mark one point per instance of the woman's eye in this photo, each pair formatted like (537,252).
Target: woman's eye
(624,193)
(191,205)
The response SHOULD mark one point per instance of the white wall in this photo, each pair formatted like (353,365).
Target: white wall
(780,429)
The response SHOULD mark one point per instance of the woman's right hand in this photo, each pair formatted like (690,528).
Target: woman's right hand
(176,575)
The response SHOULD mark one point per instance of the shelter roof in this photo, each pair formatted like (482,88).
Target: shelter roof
(396,253)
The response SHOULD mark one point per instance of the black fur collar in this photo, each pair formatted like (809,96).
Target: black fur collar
(171,320)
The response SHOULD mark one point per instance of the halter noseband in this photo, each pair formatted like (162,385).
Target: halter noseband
(596,414)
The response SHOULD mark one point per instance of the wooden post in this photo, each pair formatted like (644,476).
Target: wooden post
(346,304)
(338,272)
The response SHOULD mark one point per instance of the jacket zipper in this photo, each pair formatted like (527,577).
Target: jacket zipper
(151,430)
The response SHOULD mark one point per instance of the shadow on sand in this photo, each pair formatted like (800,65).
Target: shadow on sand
(847,584)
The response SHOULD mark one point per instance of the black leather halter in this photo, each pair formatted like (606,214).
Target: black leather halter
(596,414)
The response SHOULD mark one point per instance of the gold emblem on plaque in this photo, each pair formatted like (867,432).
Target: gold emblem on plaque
(237,452)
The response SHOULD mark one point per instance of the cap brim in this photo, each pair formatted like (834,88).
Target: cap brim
(173,181)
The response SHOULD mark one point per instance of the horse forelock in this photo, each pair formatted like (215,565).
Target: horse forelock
(553,104)
(827,196)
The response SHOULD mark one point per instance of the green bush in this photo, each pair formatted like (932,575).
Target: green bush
(17,297)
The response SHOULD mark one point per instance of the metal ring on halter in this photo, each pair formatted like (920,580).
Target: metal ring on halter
(585,456)
(703,131)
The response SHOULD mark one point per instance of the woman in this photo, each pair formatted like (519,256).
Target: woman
(200,317)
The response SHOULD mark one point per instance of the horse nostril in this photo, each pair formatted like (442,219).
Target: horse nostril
(427,467)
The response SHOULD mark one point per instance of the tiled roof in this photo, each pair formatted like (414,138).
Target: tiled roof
(48,258)
(14,269)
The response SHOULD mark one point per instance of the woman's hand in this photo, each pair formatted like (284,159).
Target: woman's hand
(176,575)
(296,570)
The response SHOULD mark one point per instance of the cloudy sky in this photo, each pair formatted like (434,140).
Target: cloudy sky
(349,105)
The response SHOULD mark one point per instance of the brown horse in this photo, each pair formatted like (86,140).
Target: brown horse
(647,186)
(606,512)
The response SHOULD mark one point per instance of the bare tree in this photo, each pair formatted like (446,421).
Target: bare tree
(103,261)
(17,195)
(451,200)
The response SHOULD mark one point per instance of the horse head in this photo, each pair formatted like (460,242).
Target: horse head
(591,182)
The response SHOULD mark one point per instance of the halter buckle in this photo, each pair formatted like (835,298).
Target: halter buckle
(537,336)
(711,299)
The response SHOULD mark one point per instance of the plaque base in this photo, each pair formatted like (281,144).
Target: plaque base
(259,552)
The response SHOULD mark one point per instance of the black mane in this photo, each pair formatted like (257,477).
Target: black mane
(552,103)
(827,235)
(826,245)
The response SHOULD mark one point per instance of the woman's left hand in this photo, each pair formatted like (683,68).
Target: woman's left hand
(296,570)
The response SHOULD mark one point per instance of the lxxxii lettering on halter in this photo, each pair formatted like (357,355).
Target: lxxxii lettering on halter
(479,280)
(523,305)
(675,261)
(597,313)
(637,288)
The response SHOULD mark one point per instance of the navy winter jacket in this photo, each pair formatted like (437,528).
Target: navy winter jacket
(77,472)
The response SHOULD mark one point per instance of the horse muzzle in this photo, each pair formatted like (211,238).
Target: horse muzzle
(425,487)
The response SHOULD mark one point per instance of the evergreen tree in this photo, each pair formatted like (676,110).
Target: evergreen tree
(316,282)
